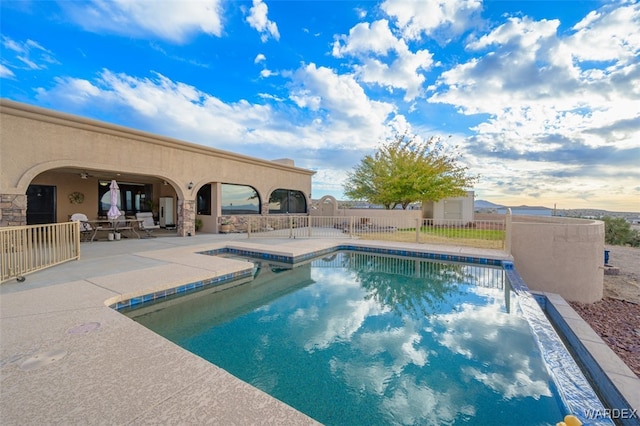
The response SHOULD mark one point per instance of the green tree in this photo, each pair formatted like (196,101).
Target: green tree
(617,231)
(405,170)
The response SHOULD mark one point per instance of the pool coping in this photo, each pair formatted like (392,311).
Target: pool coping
(131,300)
(90,386)
(620,385)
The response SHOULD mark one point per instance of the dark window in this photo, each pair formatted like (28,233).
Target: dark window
(204,200)
(239,199)
(41,204)
(287,201)
(133,197)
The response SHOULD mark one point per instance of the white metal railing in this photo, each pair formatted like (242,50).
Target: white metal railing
(477,233)
(25,249)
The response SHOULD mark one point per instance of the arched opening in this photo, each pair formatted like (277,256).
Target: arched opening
(54,195)
(239,200)
(287,201)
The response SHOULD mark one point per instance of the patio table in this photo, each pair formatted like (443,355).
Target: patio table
(115,225)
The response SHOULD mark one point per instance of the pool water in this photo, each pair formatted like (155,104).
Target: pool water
(364,339)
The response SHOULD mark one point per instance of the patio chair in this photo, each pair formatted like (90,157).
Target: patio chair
(86,230)
(147,223)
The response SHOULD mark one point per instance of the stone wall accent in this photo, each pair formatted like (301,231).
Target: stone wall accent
(13,210)
(186,218)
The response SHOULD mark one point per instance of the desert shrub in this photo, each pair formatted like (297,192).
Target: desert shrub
(617,231)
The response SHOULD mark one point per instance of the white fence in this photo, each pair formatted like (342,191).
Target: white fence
(25,249)
(477,233)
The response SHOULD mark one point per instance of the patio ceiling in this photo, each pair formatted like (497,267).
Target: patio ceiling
(108,175)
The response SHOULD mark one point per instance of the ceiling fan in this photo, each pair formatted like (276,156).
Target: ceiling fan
(85,175)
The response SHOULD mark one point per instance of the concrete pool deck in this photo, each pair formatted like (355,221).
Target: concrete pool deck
(67,358)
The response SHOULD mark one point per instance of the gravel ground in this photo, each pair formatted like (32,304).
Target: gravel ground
(616,318)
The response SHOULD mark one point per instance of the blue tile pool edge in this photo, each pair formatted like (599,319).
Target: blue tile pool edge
(137,301)
(215,281)
(611,395)
(576,391)
(577,395)
(363,249)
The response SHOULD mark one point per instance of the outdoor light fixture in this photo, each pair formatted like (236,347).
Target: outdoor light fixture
(165,183)
(84,175)
(190,185)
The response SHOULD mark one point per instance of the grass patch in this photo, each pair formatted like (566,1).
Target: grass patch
(470,237)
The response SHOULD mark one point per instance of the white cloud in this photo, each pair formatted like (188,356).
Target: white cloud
(374,44)
(6,72)
(339,114)
(367,38)
(340,102)
(28,54)
(608,36)
(259,21)
(172,20)
(441,19)
(549,110)
(329,180)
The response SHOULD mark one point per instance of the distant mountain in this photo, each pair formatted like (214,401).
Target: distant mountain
(530,207)
(483,204)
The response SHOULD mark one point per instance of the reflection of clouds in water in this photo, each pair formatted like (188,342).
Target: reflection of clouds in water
(343,311)
(373,375)
(370,377)
(412,404)
(269,318)
(479,333)
(338,281)
(516,386)
(305,315)
(343,321)
(400,343)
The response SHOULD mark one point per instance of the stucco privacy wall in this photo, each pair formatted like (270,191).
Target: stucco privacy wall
(560,255)
(34,140)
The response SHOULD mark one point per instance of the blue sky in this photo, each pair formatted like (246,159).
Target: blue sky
(542,98)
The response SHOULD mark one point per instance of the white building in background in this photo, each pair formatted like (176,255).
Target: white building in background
(458,208)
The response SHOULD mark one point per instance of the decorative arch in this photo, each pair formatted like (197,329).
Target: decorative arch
(328,206)
(30,174)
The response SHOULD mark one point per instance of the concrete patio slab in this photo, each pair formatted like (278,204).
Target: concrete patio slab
(66,358)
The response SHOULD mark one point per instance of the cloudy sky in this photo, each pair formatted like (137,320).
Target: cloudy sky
(541,97)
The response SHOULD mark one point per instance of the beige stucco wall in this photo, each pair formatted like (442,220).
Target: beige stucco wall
(437,210)
(35,140)
(383,217)
(65,185)
(560,255)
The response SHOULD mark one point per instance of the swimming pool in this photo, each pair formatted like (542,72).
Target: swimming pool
(358,338)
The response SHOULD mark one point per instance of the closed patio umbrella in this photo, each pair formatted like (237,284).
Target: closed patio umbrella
(113,212)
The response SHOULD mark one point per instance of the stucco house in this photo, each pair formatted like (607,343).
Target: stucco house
(454,208)
(53,165)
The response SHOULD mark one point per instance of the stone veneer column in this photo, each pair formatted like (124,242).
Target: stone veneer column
(13,210)
(186,218)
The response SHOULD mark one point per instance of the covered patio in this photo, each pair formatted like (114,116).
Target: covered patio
(55,164)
